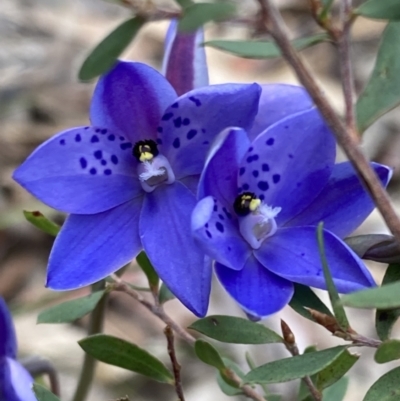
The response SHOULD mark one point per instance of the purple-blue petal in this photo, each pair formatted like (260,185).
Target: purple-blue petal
(130,101)
(219,176)
(15,381)
(344,203)
(189,126)
(293,254)
(278,101)
(289,163)
(8,340)
(91,247)
(258,291)
(185,64)
(166,237)
(216,230)
(82,170)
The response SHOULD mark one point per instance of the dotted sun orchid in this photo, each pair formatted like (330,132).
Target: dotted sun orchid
(129,179)
(261,202)
(15,381)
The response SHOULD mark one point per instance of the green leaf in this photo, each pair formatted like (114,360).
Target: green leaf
(385,319)
(208,354)
(196,15)
(380,9)
(305,297)
(295,367)
(384,297)
(71,310)
(223,385)
(336,370)
(165,294)
(261,50)
(388,351)
(105,54)
(43,394)
(338,309)
(337,391)
(184,3)
(235,330)
(304,392)
(382,92)
(118,352)
(42,223)
(148,269)
(386,388)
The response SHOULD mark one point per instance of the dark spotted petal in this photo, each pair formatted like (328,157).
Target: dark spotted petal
(8,341)
(15,381)
(216,231)
(91,247)
(344,203)
(165,233)
(290,163)
(278,101)
(185,64)
(82,170)
(258,291)
(130,100)
(190,125)
(219,176)
(293,254)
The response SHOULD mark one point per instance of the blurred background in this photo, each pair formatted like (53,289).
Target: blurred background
(42,45)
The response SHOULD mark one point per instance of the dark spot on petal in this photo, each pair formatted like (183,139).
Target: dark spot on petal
(228,215)
(121,138)
(107,171)
(242,170)
(195,101)
(302,254)
(276,178)
(178,122)
(175,105)
(203,130)
(263,185)
(78,138)
(167,116)
(104,131)
(245,187)
(206,226)
(208,234)
(270,141)
(159,141)
(219,227)
(215,207)
(93,171)
(125,145)
(262,197)
(265,167)
(290,156)
(249,159)
(62,142)
(87,127)
(177,143)
(206,143)
(191,134)
(159,129)
(111,137)
(94,139)
(114,159)
(251,149)
(255,157)
(255,173)
(97,130)
(98,154)
(103,162)
(185,121)
(83,162)
(221,216)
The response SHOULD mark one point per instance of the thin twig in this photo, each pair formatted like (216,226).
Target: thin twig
(158,310)
(275,26)
(169,334)
(291,346)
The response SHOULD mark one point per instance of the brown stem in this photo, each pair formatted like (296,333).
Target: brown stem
(169,334)
(348,143)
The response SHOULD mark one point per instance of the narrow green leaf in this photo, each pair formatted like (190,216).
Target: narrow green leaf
(105,54)
(148,269)
(71,310)
(118,352)
(165,294)
(338,309)
(380,9)
(261,50)
(382,92)
(384,297)
(336,370)
(223,385)
(305,297)
(42,223)
(304,392)
(235,330)
(43,394)
(208,354)
(295,367)
(386,388)
(336,392)
(385,319)
(388,351)
(196,15)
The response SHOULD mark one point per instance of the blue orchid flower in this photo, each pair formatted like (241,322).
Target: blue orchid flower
(129,179)
(261,201)
(15,381)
